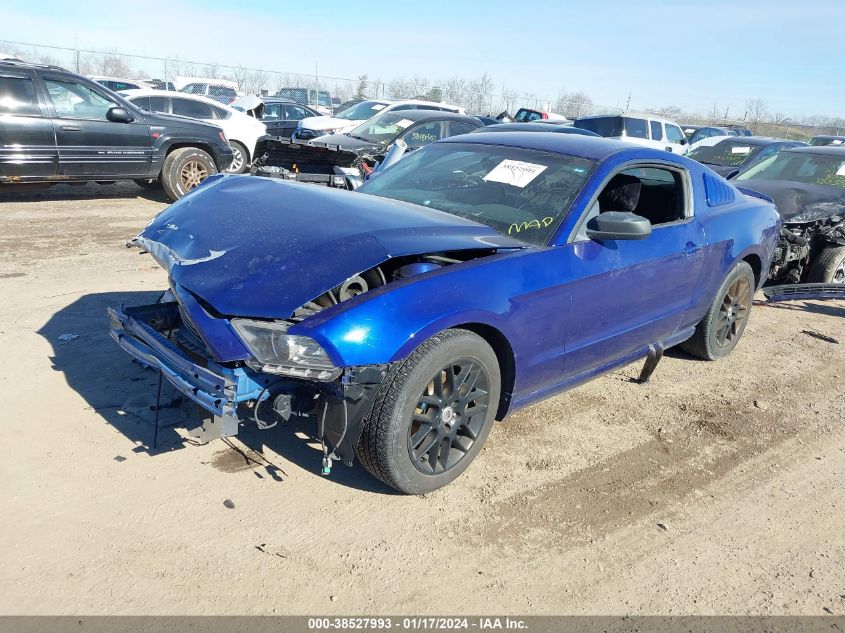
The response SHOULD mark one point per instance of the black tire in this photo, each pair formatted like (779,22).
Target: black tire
(184,169)
(384,447)
(721,328)
(155,183)
(828,267)
(240,158)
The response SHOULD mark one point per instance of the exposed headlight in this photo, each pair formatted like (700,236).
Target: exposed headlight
(281,353)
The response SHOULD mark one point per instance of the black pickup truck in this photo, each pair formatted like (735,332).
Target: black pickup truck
(57,126)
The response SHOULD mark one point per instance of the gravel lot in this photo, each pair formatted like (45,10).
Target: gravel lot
(716,488)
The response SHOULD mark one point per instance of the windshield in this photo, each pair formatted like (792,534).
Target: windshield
(522,193)
(362,111)
(382,128)
(606,126)
(727,153)
(813,169)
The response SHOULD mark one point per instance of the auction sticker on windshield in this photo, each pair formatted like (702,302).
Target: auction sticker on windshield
(404,123)
(740,150)
(515,173)
(841,170)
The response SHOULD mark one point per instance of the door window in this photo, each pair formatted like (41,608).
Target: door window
(158,104)
(456,128)
(191,108)
(674,134)
(296,113)
(73,99)
(424,134)
(655,193)
(656,130)
(17,96)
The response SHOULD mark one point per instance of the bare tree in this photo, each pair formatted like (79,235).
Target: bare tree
(755,111)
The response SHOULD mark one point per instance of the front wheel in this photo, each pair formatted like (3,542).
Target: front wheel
(184,169)
(240,158)
(721,328)
(829,267)
(433,413)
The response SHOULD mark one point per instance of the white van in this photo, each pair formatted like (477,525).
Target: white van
(641,129)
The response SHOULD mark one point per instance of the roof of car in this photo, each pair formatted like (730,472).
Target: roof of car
(594,148)
(536,126)
(824,150)
(153,92)
(636,115)
(21,63)
(419,115)
(756,140)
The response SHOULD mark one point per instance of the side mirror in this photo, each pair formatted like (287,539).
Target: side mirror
(618,225)
(733,174)
(119,115)
(683,141)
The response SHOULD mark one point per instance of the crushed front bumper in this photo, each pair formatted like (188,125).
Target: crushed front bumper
(150,334)
(156,336)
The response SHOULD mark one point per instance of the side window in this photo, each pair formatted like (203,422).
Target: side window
(141,102)
(674,134)
(457,127)
(423,134)
(158,104)
(407,106)
(220,113)
(656,130)
(636,128)
(17,96)
(654,193)
(195,89)
(297,113)
(272,112)
(73,99)
(191,108)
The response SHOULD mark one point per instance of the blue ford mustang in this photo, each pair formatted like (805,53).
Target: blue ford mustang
(480,274)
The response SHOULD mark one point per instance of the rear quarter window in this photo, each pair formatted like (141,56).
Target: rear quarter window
(17,96)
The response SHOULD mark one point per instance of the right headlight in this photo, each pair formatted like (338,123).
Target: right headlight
(281,353)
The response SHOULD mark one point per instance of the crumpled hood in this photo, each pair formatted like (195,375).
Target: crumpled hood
(799,201)
(260,247)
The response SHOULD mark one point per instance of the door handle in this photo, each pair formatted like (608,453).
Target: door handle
(70,128)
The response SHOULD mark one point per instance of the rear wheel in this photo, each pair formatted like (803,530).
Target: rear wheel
(829,267)
(184,169)
(240,158)
(433,413)
(722,327)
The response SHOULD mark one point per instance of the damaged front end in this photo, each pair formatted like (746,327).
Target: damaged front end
(802,237)
(313,162)
(271,375)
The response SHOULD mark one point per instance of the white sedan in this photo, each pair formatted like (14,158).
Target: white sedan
(353,116)
(242,131)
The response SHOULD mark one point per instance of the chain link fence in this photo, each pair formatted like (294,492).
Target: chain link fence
(477,96)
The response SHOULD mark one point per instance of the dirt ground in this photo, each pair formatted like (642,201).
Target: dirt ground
(716,488)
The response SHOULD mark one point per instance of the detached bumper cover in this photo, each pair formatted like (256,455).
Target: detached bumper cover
(217,389)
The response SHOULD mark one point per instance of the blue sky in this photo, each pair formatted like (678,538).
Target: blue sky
(674,52)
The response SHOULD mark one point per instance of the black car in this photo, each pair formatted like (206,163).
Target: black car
(280,116)
(734,155)
(57,126)
(534,126)
(332,158)
(824,139)
(807,185)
